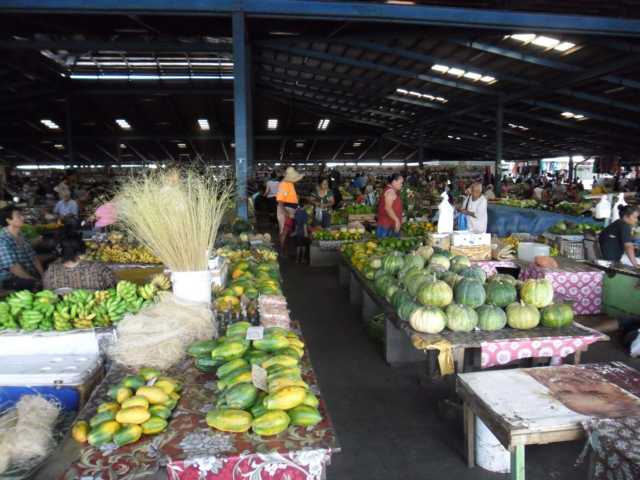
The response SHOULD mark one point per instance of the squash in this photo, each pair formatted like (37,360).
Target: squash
(500,293)
(491,318)
(469,292)
(459,263)
(413,260)
(425,252)
(557,316)
(439,261)
(538,293)
(428,320)
(474,273)
(461,318)
(522,316)
(435,294)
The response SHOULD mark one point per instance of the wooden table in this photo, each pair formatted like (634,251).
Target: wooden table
(521,411)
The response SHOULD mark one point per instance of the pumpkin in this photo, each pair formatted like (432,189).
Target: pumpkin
(461,318)
(500,293)
(469,292)
(491,317)
(522,316)
(545,262)
(390,291)
(503,277)
(459,263)
(392,262)
(439,262)
(406,309)
(435,294)
(450,278)
(428,320)
(414,283)
(414,261)
(382,282)
(474,273)
(425,252)
(379,273)
(538,293)
(407,270)
(375,263)
(400,297)
(557,316)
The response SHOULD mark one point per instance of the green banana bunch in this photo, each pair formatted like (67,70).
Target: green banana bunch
(19,301)
(46,296)
(46,309)
(79,296)
(148,291)
(134,306)
(102,318)
(30,320)
(6,319)
(126,290)
(61,324)
(116,308)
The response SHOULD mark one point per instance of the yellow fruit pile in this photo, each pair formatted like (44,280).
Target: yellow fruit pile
(120,253)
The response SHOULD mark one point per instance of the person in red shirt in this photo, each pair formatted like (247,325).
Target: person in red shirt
(390,208)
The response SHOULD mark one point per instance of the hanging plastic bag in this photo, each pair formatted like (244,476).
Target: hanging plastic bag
(319,214)
(615,211)
(603,209)
(445,214)
(462,222)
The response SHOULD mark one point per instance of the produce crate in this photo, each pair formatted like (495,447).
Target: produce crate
(362,218)
(571,248)
(477,252)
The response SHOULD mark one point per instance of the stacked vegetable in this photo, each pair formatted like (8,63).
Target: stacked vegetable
(362,254)
(48,311)
(241,405)
(359,209)
(343,233)
(139,405)
(433,290)
(570,228)
(118,249)
(417,229)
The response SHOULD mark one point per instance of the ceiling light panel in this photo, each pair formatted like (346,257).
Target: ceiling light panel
(323,123)
(542,41)
(123,124)
(460,73)
(272,123)
(203,124)
(50,124)
(422,96)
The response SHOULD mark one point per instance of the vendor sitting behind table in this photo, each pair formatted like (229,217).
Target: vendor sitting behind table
(66,207)
(20,268)
(474,206)
(72,272)
(616,241)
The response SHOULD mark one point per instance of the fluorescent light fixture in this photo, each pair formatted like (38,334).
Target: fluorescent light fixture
(139,77)
(458,138)
(400,2)
(59,146)
(123,146)
(524,37)
(450,136)
(440,68)
(299,144)
(182,145)
(575,116)
(567,114)
(546,42)
(488,79)
(473,76)
(123,124)
(413,164)
(203,123)
(357,144)
(323,123)
(578,117)
(272,124)
(424,96)
(564,46)
(50,124)
(457,72)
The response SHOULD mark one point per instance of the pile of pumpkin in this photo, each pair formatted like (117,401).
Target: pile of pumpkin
(433,290)
(359,254)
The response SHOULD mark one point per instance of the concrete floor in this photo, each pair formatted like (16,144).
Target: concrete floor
(388,420)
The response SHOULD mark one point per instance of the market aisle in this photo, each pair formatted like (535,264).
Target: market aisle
(386,419)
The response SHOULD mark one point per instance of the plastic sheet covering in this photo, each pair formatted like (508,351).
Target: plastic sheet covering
(503,220)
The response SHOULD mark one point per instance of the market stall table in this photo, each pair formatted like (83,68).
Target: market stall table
(618,282)
(577,282)
(188,448)
(135,272)
(502,399)
(503,220)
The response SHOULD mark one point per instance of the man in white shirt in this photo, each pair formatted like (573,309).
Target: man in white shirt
(66,207)
(271,188)
(474,207)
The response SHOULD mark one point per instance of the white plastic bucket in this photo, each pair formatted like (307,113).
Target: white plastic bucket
(192,286)
(490,454)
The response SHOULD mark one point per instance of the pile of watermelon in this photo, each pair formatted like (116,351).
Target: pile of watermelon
(433,290)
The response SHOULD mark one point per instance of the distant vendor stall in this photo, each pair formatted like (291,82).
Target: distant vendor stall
(503,220)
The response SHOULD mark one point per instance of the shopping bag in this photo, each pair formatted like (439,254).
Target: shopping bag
(462,222)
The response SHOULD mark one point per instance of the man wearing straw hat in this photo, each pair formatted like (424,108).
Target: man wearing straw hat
(287,199)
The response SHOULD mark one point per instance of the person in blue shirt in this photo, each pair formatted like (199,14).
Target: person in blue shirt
(66,207)
(301,232)
(20,268)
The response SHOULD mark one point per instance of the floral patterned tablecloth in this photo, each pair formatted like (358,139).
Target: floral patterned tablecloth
(189,449)
(615,448)
(576,282)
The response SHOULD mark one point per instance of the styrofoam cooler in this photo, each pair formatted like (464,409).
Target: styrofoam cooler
(64,367)
(528,251)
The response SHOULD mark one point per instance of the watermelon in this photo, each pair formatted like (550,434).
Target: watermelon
(538,293)
(461,318)
(557,316)
(407,270)
(500,293)
(439,262)
(428,320)
(459,263)
(435,294)
(393,262)
(414,261)
(475,273)
(390,291)
(522,316)
(491,317)
(469,292)
(400,297)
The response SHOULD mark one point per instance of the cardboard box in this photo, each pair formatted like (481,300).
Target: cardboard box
(467,239)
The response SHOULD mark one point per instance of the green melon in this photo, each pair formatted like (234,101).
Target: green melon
(435,294)
(459,263)
(461,318)
(522,316)
(474,273)
(469,292)
(428,320)
(439,262)
(557,316)
(413,286)
(500,293)
(414,261)
(538,293)
(503,277)
(491,317)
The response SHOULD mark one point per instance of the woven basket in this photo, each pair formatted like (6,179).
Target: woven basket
(478,252)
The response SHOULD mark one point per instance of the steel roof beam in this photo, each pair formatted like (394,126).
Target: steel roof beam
(92,45)
(394,71)
(593,115)
(347,11)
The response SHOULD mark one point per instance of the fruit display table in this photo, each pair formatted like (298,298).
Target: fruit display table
(502,399)
(189,449)
(497,348)
(577,282)
(503,220)
(619,280)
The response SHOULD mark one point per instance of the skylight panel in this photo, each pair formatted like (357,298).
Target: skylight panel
(468,74)
(473,76)
(440,68)
(546,42)
(564,46)
(458,72)
(50,124)
(323,123)
(423,96)
(203,123)
(123,124)
(543,41)
(524,37)
(272,124)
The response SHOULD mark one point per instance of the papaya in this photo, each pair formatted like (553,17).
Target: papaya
(170,404)
(155,395)
(154,425)
(271,343)
(230,349)
(275,332)
(207,364)
(304,416)
(133,382)
(135,415)
(285,399)
(176,383)
(102,417)
(201,348)
(271,423)
(237,376)
(127,434)
(136,401)
(123,393)
(237,329)
(103,433)
(231,366)
(284,360)
(256,357)
(284,382)
(291,352)
(229,420)
(311,400)
(112,393)
(241,395)
(166,386)
(160,411)
(108,406)
(149,373)
(80,431)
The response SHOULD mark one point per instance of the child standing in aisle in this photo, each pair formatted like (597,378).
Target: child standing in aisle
(301,233)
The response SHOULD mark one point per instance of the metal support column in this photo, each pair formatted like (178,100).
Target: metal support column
(571,169)
(69,132)
(499,127)
(421,150)
(242,110)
